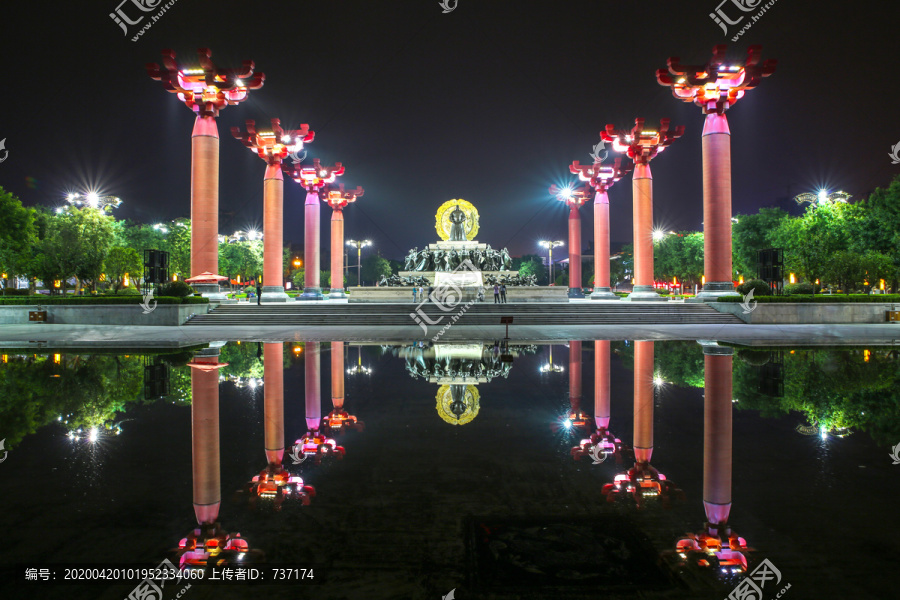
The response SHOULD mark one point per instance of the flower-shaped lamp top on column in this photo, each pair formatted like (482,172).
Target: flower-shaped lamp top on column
(208,89)
(600,177)
(314,178)
(339,198)
(718,84)
(639,144)
(576,197)
(275,145)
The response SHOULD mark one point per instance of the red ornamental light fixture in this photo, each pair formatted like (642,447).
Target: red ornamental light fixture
(642,145)
(715,87)
(337,199)
(313,179)
(206,91)
(601,178)
(273,147)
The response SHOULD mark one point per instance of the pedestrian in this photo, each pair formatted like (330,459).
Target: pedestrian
(422,293)
(430,291)
(481,294)
(415,293)
(258,293)
(496,294)
(503,293)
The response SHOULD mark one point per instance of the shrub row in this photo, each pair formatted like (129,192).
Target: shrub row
(95,300)
(819,298)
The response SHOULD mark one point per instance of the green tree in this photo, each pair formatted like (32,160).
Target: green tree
(531,264)
(120,261)
(241,258)
(17,235)
(751,234)
(679,255)
(878,229)
(373,267)
(75,244)
(178,245)
(616,271)
(809,241)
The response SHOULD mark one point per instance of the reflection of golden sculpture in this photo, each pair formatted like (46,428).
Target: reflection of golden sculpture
(444,225)
(457,404)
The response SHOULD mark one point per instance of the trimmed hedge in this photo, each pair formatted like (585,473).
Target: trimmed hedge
(759,287)
(94,300)
(15,292)
(823,298)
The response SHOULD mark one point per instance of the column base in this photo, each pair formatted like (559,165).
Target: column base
(274,293)
(209,290)
(644,293)
(576,293)
(713,290)
(311,293)
(336,294)
(603,293)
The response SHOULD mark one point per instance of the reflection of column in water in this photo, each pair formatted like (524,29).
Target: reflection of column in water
(274,402)
(205,434)
(601,383)
(643,401)
(717,433)
(313,386)
(337,375)
(575,378)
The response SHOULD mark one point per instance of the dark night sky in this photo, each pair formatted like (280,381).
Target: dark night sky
(490,103)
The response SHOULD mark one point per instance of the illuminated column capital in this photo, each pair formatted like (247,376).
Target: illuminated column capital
(718,84)
(598,176)
(275,145)
(207,89)
(314,178)
(339,198)
(639,144)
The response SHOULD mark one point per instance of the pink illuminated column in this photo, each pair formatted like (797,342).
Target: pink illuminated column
(313,179)
(643,401)
(715,87)
(574,199)
(313,385)
(717,441)
(273,147)
(642,146)
(601,179)
(205,434)
(337,200)
(273,390)
(576,415)
(601,384)
(337,375)
(205,90)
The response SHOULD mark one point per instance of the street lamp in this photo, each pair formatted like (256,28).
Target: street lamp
(93,200)
(823,196)
(359,369)
(360,244)
(550,367)
(550,246)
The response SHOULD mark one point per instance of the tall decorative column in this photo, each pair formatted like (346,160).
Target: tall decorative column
(273,147)
(715,87)
(313,385)
(205,91)
(642,146)
(601,385)
(273,392)
(574,199)
(337,200)
(601,178)
(643,401)
(205,434)
(337,375)
(576,417)
(313,179)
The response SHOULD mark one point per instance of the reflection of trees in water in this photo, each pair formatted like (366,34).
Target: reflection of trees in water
(678,362)
(79,391)
(834,389)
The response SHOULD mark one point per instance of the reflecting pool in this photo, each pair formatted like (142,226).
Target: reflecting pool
(678,469)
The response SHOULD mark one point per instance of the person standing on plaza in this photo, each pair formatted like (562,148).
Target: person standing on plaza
(503,293)
(415,293)
(258,292)
(430,291)
(496,294)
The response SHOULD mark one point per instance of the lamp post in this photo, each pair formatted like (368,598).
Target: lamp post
(574,199)
(337,200)
(360,244)
(822,197)
(273,147)
(550,246)
(313,179)
(642,146)
(601,179)
(205,91)
(715,87)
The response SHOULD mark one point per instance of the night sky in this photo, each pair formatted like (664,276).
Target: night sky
(489,103)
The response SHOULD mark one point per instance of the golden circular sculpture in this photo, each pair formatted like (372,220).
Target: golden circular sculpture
(445,399)
(442,219)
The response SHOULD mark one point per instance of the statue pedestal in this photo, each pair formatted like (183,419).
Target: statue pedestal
(461,278)
(432,275)
(466,245)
